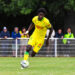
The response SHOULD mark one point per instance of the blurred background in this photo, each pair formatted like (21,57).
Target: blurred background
(19,13)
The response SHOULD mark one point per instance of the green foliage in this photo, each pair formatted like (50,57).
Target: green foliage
(70,5)
(56,6)
(25,11)
(18,7)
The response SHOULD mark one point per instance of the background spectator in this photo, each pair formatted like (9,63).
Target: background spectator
(53,33)
(69,34)
(15,35)
(50,48)
(5,33)
(5,43)
(59,34)
(22,33)
(23,42)
(67,42)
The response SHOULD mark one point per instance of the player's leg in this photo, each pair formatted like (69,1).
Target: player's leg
(26,54)
(31,43)
(37,47)
(33,53)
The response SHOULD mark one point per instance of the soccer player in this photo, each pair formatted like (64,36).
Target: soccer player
(36,41)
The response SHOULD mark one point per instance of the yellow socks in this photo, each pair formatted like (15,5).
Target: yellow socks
(26,55)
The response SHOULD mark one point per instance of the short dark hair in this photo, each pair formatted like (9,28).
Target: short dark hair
(69,27)
(42,10)
(59,29)
(23,27)
(15,27)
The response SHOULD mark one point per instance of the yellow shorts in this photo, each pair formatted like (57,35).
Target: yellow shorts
(36,43)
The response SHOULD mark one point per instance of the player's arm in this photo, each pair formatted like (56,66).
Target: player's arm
(30,28)
(49,35)
(50,32)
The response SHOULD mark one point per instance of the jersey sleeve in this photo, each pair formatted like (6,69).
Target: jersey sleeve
(34,19)
(48,24)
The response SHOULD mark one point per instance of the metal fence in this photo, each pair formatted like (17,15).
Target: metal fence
(56,48)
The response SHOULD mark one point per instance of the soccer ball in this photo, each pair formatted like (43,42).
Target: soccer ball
(24,64)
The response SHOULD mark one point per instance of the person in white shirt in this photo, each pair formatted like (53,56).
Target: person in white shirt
(50,49)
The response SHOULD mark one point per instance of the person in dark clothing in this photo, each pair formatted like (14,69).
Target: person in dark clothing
(15,35)
(5,33)
(60,35)
(5,42)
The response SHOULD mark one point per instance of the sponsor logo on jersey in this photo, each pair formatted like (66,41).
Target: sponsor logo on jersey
(39,45)
(39,27)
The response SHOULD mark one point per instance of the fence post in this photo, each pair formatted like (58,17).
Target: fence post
(55,47)
(16,48)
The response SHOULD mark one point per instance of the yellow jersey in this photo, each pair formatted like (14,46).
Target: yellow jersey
(37,38)
(40,27)
(23,36)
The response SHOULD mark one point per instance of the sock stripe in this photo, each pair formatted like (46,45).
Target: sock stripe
(26,53)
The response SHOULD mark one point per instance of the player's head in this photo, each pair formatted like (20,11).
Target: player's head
(41,13)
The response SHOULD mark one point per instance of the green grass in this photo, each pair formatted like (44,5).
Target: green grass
(38,66)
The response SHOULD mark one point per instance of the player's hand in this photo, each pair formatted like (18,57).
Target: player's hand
(27,32)
(47,42)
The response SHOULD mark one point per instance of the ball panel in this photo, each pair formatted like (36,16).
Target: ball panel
(24,64)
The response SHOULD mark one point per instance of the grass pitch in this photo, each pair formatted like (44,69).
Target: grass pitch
(38,66)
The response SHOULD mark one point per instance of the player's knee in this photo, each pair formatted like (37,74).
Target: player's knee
(33,54)
(29,47)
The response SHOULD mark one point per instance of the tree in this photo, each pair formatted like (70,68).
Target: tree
(16,7)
